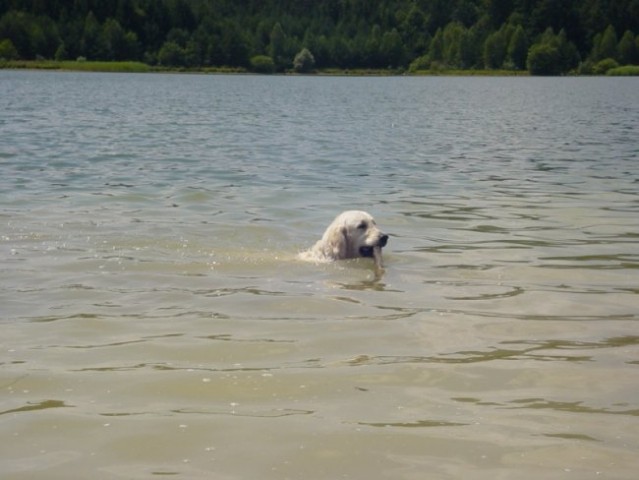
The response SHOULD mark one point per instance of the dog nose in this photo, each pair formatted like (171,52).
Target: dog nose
(383,240)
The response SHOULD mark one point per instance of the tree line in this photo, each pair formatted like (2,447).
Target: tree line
(542,36)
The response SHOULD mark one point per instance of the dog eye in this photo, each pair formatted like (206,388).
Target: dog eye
(362,226)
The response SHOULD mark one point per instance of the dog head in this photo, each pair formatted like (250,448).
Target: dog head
(353,234)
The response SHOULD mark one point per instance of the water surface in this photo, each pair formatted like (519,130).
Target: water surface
(156,320)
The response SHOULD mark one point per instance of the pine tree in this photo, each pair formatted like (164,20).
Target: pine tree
(607,46)
(277,45)
(436,48)
(495,50)
(518,48)
(627,49)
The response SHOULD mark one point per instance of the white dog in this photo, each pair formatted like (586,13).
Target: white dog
(352,234)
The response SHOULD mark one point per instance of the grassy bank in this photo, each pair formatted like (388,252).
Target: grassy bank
(471,73)
(82,66)
(357,72)
(626,71)
(138,67)
(113,67)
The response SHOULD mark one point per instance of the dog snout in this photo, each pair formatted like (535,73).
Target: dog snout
(383,240)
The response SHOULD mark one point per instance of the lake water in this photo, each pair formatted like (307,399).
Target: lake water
(156,321)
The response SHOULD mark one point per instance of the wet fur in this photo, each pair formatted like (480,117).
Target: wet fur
(353,234)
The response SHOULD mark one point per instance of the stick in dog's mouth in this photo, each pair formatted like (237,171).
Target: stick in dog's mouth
(377,255)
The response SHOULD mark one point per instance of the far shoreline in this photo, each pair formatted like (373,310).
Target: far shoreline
(139,67)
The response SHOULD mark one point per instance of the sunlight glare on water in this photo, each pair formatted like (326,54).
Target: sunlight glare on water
(156,319)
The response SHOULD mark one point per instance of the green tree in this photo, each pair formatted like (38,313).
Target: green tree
(391,49)
(93,43)
(234,45)
(30,35)
(172,55)
(605,45)
(372,47)
(466,13)
(543,59)
(420,63)
(438,13)
(414,32)
(320,46)
(180,14)
(194,54)
(569,56)
(560,50)
(114,41)
(452,37)
(61,53)
(470,53)
(13,27)
(360,51)
(495,49)
(71,36)
(518,48)
(262,64)
(627,49)
(340,52)
(499,10)
(602,67)
(178,36)
(436,47)
(45,36)
(131,47)
(8,51)
(558,15)
(277,46)
(197,47)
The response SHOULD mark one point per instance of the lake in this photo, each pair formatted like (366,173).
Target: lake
(157,322)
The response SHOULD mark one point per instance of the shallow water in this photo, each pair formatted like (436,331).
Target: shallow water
(157,322)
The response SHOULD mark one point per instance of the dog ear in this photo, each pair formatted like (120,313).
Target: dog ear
(337,243)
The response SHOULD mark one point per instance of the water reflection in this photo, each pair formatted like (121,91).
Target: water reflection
(596,262)
(239,411)
(226,337)
(232,410)
(542,404)
(512,292)
(161,367)
(415,424)
(573,407)
(613,342)
(571,436)
(531,350)
(467,357)
(375,285)
(43,405)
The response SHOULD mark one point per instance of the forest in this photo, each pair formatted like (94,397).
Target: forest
(544,37)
